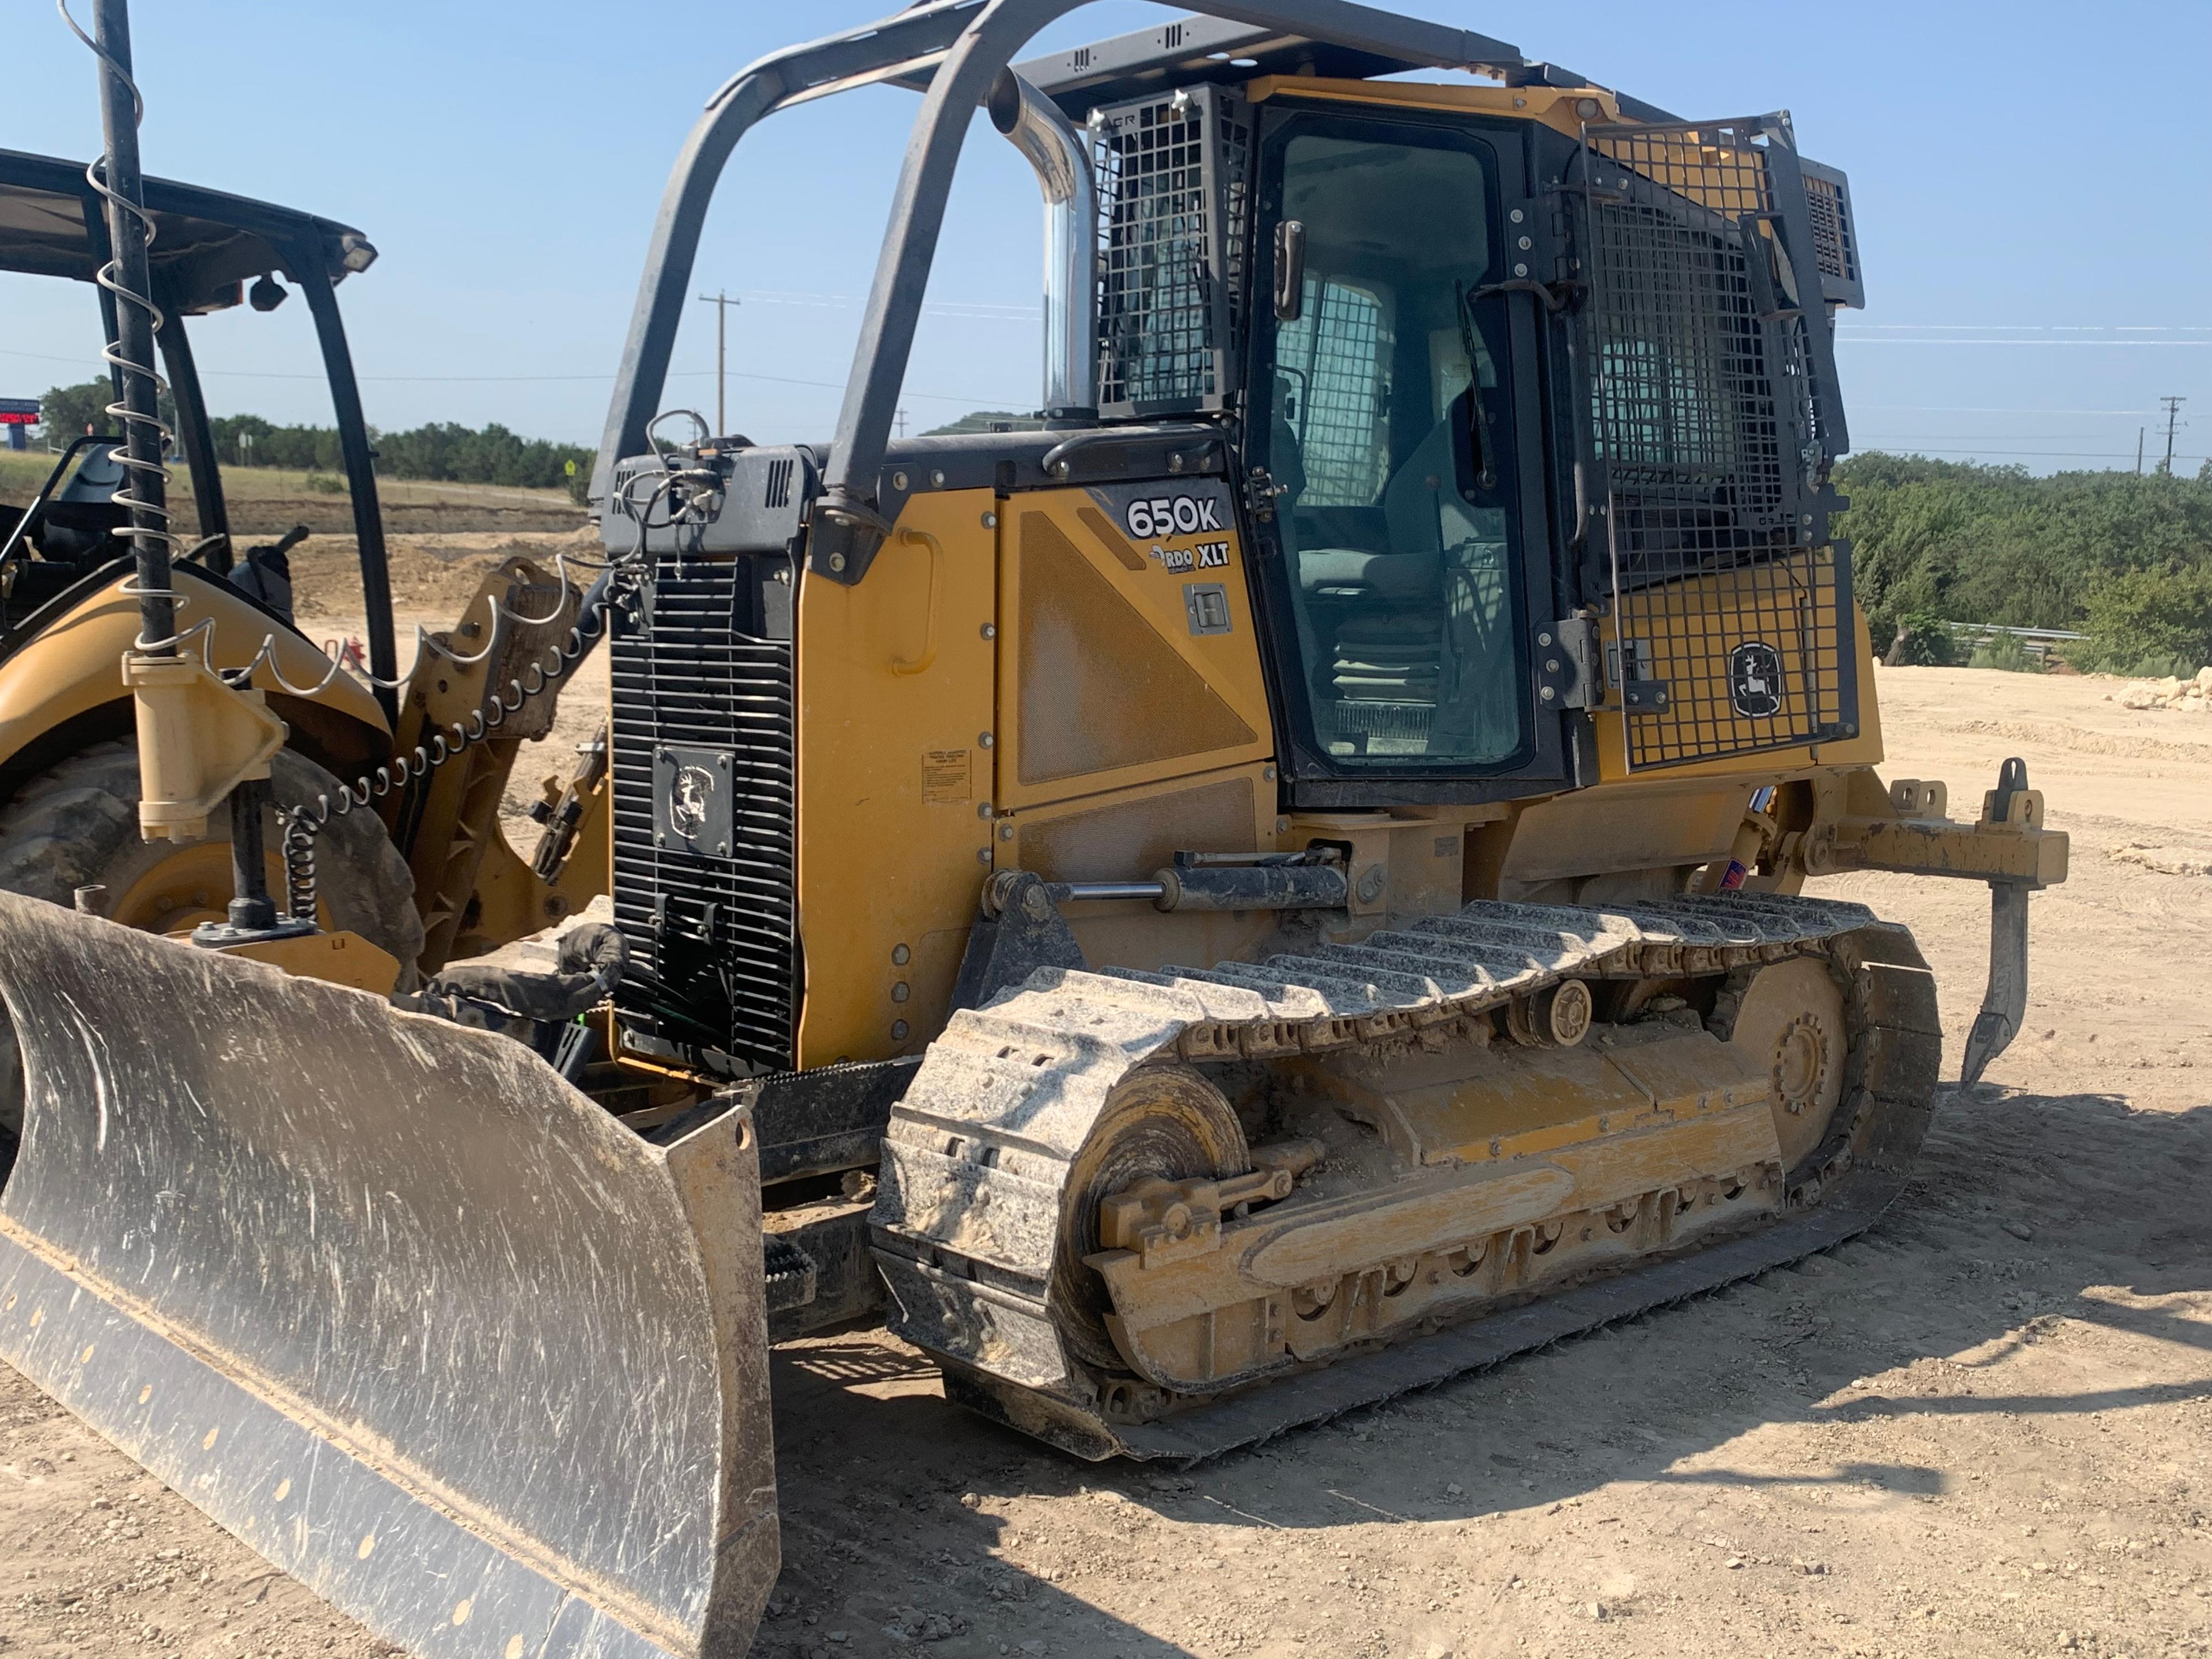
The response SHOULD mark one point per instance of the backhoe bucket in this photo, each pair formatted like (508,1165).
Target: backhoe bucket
(390,1301)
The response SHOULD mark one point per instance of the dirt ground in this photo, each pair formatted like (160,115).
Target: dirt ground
(1984,1429)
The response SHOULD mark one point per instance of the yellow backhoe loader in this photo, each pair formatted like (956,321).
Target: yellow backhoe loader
(425,878)
(1276,889)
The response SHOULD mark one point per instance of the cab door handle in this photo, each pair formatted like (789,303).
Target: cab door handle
(1290,270)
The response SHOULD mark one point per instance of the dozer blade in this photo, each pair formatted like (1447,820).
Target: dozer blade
(390,1301)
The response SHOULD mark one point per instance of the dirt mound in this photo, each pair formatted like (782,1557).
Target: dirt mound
(434,574)
(2082,740)
(257,518)
(2165,860)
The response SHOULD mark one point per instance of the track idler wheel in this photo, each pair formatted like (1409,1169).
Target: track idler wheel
(1788,1020)
(1163,1121)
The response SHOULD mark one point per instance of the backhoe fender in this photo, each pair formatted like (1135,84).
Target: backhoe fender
(64,669)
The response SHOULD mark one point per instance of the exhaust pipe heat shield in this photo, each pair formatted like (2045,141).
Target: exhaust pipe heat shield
(390,1300)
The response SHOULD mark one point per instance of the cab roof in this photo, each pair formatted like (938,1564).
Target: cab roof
(206,242)
(1192,51)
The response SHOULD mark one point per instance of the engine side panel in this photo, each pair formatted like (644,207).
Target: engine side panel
(1127,647)
(896,680)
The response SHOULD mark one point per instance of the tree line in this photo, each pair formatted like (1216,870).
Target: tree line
(2123,557)
(2126,559)
(443,450)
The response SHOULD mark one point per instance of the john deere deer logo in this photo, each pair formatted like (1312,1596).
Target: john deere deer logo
(1755,680)
(689,794)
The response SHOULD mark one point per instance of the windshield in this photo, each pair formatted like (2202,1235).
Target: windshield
(1398,538)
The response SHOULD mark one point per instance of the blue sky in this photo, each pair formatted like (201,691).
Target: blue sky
(2030,182)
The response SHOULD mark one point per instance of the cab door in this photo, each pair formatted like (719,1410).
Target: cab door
(1407,570)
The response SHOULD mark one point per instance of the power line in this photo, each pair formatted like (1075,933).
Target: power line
(1849,337)
(974,400)
(1964,409)
(2034,328)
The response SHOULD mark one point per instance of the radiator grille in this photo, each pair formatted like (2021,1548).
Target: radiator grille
(714,957)
(1174,192)
(1704,427)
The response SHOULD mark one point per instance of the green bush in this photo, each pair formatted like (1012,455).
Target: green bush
(1921,641)
(494,456)
(325,483)
(446,450)
(2004,651)
(71,411)
(2142,618)
(2157,668)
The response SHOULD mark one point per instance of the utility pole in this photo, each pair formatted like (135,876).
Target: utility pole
(722,301)
(2139,449)
(2173,421)
(902,424)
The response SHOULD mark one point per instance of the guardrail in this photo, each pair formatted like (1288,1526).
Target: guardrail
(2036,641)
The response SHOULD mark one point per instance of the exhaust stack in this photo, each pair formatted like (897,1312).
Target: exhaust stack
(1060,154)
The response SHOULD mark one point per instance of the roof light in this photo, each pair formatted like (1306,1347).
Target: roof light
(354,251)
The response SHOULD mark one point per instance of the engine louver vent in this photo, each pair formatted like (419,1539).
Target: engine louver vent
(1835,237)
(699,678)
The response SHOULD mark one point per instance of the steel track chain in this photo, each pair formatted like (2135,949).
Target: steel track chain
(979,1149)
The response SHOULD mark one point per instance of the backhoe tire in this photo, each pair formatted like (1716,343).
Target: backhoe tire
(78,825)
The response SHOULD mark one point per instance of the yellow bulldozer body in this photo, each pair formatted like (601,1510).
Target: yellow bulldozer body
(1016,688)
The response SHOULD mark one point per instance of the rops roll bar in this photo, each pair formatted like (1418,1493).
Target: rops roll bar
(955,50)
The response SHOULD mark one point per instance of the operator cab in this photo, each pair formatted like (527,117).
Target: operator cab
(72,527)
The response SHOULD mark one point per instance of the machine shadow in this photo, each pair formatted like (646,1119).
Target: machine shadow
(2110,1198)
(887,1542)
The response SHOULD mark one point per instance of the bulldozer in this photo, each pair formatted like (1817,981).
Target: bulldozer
(1278,888)
(425,879)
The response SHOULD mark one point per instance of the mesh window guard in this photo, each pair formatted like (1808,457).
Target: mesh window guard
(1174,189)
(1337,356)
(1731,614)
